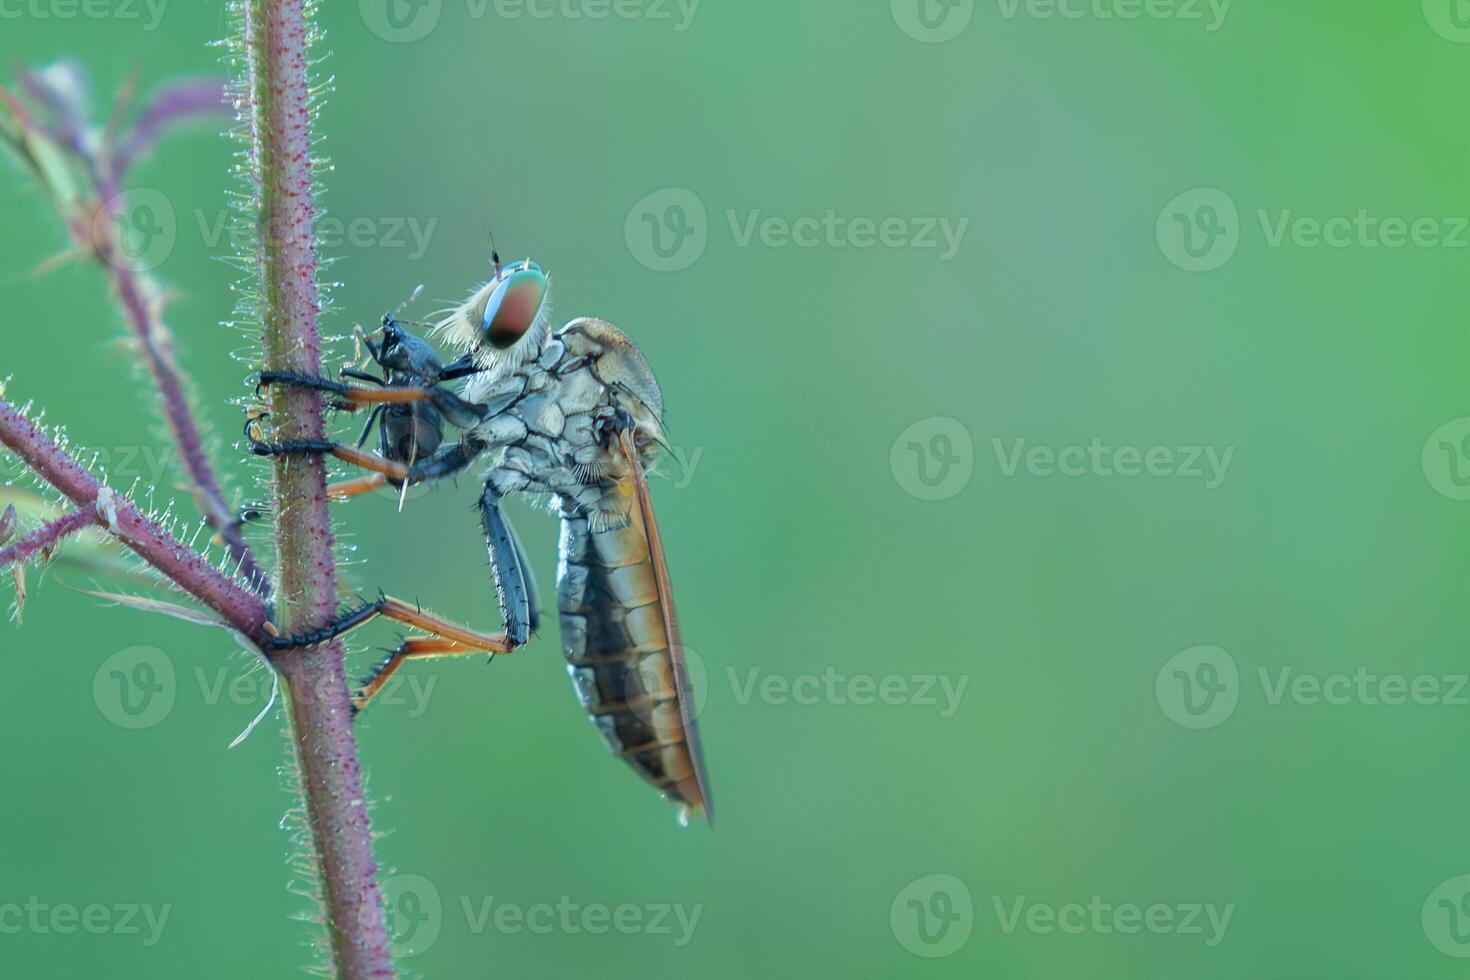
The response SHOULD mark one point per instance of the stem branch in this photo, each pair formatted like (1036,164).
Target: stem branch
(241,609)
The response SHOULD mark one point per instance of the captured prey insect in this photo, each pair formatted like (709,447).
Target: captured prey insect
(576,414)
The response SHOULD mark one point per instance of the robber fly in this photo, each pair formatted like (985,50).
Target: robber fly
(576,414)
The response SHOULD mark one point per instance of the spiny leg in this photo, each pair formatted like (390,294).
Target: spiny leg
(410,649)
(449,638)
(514,585)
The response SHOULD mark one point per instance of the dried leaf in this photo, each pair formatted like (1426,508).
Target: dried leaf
(8,520)
(145,604)
(20,592)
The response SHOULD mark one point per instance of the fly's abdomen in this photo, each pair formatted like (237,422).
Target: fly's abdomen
(618,651)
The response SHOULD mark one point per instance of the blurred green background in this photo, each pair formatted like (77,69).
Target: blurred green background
(1134,264)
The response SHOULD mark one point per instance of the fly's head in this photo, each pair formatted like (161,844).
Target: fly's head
(505,322)
(404,355)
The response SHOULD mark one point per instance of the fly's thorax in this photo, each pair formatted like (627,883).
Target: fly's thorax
(619,367)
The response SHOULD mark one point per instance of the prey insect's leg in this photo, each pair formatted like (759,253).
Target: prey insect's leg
(446,462)
(350,397)
(347,489)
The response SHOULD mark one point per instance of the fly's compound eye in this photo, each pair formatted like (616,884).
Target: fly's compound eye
(514,304)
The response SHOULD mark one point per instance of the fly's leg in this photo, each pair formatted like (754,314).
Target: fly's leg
(448,639)
(426,648)
(514,586)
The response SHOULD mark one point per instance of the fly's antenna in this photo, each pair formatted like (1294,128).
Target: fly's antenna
(494,255)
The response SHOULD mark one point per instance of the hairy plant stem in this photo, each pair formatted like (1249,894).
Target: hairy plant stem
(240,608)
(48,535)
(156,344)
(278,105)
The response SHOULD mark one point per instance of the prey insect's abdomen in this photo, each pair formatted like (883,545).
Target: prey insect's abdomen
(619,653)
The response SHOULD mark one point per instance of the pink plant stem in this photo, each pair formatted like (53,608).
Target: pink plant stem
(191,573)
(155,343)
(278,106)
(48,535)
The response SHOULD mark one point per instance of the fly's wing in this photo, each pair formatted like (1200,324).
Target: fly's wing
(643,505)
